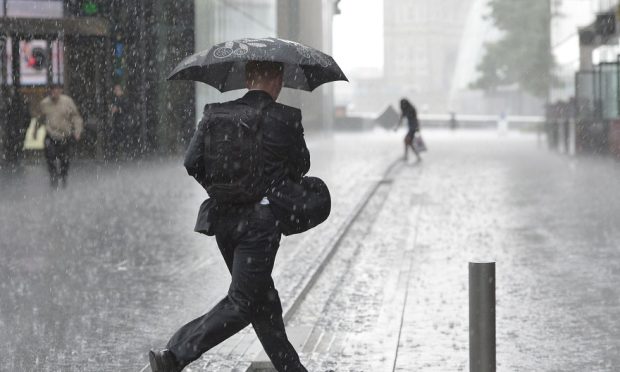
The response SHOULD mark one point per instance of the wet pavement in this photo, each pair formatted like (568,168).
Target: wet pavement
(93,276)
(396,298)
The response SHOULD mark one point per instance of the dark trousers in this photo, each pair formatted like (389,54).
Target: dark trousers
(57,151)
(248,240)
(118,138)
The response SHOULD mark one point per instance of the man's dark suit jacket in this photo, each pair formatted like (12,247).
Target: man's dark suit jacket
(285,153)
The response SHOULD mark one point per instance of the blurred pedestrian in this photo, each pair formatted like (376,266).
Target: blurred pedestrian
(502,124)
(63,125)
(454,124)
(120,136)
(409,113)
(241,217)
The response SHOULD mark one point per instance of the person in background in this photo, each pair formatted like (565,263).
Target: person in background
(63,125)
(409,112)
(502,124)
(454,124)
(119,142)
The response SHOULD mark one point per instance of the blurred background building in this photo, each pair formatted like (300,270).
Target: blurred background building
(430,53)
(425,50)
(421,47)
(584,109)
(308,22)
(568,17)
(88,46)
(421,43)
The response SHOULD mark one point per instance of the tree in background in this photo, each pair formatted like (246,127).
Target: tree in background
(522,55)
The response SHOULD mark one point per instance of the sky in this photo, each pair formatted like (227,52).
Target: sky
(358,35)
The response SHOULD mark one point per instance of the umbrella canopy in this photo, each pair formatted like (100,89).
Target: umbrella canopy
(223,66)
(388,118)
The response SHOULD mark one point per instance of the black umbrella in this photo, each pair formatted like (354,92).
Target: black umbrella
(223,66)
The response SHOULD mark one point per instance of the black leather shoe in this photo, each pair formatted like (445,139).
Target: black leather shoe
(163,361)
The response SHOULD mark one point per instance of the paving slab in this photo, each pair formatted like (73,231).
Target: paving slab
(111,265)
(548,220)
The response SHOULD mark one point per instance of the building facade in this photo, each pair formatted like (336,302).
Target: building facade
(567,18)
(584,113)
(307,22)
(421,46)
(218,21)
(88,46)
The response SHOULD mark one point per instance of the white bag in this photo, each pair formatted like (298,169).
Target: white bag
(418,144)
(35,138)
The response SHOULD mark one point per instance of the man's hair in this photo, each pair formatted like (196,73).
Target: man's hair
(56,86)
(258,71)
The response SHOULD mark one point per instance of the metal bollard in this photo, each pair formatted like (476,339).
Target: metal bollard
(482,317)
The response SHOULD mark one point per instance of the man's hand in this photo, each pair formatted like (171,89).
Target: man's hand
(114,109)
(77,136)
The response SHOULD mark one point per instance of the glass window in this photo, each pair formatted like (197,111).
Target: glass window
(609,90)
(35,59)
(6,62)
(585,93)
(227,20)
(58,62)
(35,8)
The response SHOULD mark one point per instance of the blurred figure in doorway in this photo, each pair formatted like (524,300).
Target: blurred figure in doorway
(63,125)
(120,140)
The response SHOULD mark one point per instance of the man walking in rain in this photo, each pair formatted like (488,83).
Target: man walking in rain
(63,124)
(247,233)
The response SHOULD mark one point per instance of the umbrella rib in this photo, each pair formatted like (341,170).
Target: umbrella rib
(303,68)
